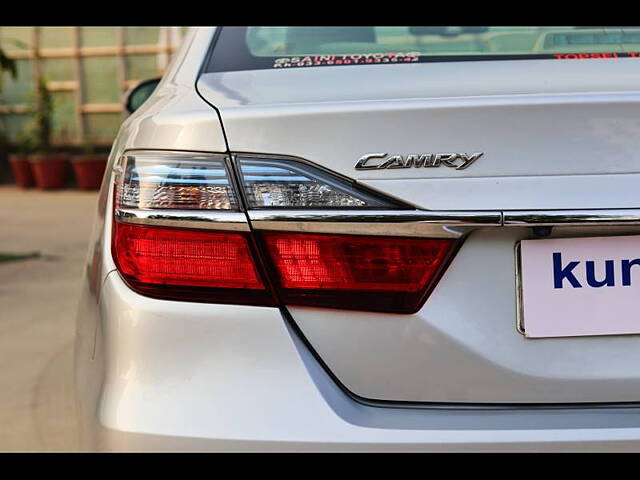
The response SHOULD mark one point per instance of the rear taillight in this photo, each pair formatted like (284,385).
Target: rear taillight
(188,264)
(180,233)
(351,271)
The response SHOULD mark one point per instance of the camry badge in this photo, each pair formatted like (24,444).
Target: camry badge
(380,161)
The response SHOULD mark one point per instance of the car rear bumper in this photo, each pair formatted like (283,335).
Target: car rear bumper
(174,376)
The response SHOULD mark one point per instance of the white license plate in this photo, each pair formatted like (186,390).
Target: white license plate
(579,286)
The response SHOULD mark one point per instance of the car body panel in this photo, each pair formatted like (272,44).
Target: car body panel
(580,125)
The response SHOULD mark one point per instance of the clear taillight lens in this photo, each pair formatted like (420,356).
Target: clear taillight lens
(274,183)
(158,180)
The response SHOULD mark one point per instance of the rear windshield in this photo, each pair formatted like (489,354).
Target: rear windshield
(249,48)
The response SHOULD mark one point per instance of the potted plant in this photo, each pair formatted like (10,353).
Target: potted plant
(88,167)
(48,168)
(19,161)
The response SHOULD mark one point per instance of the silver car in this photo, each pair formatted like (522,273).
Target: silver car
(371,239)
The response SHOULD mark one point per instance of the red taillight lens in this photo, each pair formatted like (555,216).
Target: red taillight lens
(188,264)
(392,274)
(388,274)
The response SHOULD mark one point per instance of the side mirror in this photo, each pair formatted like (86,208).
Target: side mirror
(136,96)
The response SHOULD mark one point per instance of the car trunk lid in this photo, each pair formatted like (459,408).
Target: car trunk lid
(553,135)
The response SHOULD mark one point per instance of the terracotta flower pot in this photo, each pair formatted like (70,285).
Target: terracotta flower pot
(48,170)
(89,170)
(21,170)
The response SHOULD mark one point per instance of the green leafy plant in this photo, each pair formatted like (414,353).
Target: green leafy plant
(38,138)
(7,64)
(25,142)
(43,116)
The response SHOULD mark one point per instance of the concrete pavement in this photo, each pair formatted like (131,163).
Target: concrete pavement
(38,299)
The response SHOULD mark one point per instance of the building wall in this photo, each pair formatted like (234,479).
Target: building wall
(87,69)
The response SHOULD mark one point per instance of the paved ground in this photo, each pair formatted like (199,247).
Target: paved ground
(38,300)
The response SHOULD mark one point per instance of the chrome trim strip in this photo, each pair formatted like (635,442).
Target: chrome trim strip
(205,219)
(409,223)
(582,218)
(458,217)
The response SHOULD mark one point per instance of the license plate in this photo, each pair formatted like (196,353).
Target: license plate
(579,286)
